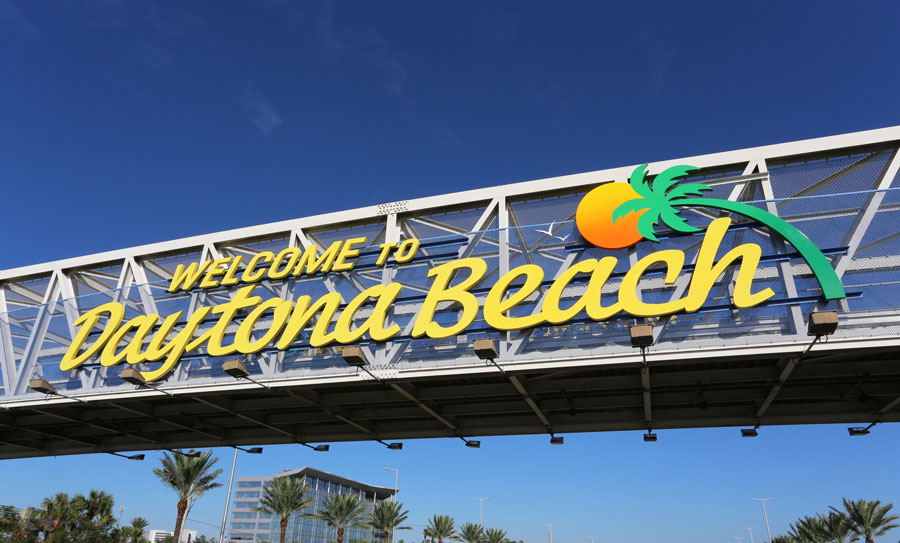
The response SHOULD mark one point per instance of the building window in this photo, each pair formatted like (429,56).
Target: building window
(249,484)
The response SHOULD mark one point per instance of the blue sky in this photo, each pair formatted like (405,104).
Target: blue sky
(123,123)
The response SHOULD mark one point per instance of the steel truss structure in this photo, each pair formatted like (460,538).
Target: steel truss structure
(716,367)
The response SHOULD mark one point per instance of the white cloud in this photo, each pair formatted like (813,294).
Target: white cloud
(260,112)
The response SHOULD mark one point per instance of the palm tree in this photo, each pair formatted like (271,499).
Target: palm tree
(808,530)
(471,533)
(786,538)
(495,535)
(189,477)
(386,517)
(868,519)
(660,203)
(56,513)
(836,528)
(96,507)
(135,532)
(282,497)
(442,527)
(342,511)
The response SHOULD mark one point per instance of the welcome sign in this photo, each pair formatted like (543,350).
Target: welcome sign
(612,216)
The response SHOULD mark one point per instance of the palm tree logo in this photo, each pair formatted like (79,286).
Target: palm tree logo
(618,215)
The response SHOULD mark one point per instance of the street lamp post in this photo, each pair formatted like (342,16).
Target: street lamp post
(550,534)
(254,450)
(766,515)
(481,510)
(751,532)
(396,489)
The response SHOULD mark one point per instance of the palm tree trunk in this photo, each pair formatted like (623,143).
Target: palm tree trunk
(179,520)
(384,537)
(340,534)
(284,522)
(818,263)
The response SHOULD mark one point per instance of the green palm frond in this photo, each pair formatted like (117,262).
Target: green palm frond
(674,221)
(630,206)
(659,200)
(682,191)
(647,222)
(638,181)
(668,177)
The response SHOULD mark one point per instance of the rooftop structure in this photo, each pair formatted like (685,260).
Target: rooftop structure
(248,525)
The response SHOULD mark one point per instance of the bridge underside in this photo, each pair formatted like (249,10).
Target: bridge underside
(852,386)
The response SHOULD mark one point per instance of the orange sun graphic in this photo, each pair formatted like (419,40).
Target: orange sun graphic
(594,217)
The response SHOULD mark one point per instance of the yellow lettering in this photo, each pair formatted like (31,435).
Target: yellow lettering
(281,310)
(628,290)
(214,337)
(186,278)
(252,276)
(174,349)
(707,270)
(347,251)
(72,359)
(142,326)
(407,250)
(214,271)
(385,250)
(374,325)
(274,272)
(495,307)
(312,264)
(439,292)
(230,278)
(303,313)
(590,300)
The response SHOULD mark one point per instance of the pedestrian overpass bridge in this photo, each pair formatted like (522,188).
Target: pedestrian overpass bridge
(413,372)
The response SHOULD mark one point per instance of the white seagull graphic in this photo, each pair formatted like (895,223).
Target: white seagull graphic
(549,232)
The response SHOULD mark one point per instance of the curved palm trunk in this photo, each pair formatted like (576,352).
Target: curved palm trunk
(820,266)
(284,522)
(340,534)
(179,520)
(384,536)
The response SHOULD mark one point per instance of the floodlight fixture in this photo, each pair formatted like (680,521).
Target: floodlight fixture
(236,369)
(856,431)
(133,376)
(395,446)
(650,437)
(472,444)
(557,440)
(190,454)
(486,349)
(42,385)
(317,448)
(137,457)
(641,335)
(353,356)
(749,432)
(251,450)
(822,323)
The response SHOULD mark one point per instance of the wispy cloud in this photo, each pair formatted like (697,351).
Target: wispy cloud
(260,112)
(385,63)
(13,19)
(357,44)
